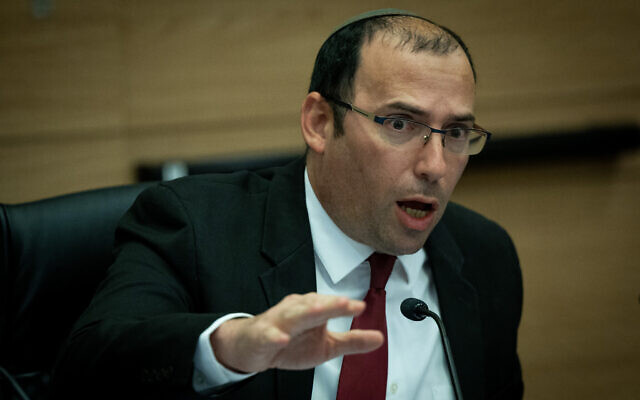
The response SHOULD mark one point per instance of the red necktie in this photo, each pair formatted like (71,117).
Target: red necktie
(364,376)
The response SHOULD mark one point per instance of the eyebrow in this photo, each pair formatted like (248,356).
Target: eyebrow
(422,113)
(464,118)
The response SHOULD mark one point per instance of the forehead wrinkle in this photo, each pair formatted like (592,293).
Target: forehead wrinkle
(426,114)
(400,105)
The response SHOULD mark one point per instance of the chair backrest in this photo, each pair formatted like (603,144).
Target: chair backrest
(54,254)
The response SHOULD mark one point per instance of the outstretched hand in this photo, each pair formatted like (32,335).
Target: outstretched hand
(292,335)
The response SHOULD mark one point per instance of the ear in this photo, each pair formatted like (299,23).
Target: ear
(316,120)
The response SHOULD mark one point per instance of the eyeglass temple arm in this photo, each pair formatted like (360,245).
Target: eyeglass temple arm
(351,107)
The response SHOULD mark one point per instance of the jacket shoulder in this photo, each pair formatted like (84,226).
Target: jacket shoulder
(236,182)
(227,186)
(465,225)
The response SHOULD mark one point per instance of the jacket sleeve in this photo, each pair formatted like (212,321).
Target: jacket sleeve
(140,331)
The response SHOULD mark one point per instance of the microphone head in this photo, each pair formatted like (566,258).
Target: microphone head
(414,309)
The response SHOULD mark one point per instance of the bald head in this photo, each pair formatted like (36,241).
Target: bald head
(412,34)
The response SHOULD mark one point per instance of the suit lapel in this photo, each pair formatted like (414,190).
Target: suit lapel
(287,244)
(459,310)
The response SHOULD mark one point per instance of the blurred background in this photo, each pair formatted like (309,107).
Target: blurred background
(94,92)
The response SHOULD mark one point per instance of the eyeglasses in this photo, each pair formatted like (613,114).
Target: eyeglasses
(459,140)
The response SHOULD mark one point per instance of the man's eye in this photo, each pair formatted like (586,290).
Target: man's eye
(458,133)
(399,125)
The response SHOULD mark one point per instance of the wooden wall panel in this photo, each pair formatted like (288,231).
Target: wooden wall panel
(61,74)
(548,64)
(199,142)
(36,169)
(219,65)
(576,227)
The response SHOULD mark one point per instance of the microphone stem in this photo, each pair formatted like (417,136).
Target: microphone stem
(447,353)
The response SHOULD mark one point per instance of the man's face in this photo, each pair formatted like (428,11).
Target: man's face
(386,194)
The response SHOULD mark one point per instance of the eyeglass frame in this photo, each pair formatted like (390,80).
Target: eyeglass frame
(380,120)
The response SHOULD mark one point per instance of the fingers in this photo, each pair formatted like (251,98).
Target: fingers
(355,341)
(296,313)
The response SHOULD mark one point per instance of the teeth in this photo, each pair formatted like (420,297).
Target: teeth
(414,213)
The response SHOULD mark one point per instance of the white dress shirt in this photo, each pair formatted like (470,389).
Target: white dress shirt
(417,366)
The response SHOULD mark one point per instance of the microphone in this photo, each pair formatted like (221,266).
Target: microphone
(417,310)
(414,309)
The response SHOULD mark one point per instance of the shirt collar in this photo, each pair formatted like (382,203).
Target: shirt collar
(338,253)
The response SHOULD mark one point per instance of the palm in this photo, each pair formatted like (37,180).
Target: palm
(306,350)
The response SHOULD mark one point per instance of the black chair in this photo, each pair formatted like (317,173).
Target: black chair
(54,254)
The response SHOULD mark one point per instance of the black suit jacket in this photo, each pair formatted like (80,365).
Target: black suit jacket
(192,250)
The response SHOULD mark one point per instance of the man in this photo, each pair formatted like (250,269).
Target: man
(246,285)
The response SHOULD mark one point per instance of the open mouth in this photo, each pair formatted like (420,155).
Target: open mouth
(416,209)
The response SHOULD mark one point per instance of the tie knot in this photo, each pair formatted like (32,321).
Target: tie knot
(381,266)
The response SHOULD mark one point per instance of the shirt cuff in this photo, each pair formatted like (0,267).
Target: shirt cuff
(208,373)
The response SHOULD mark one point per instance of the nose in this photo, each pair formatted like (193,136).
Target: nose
(431,162)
